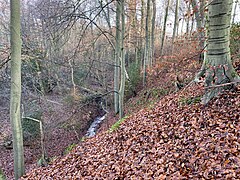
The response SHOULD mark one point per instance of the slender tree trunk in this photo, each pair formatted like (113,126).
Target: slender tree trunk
(142,32)
(153,31)
(199,19)
(234,11)
(192,25)
(122,85)
(16,89)
(188,19)
(175,21)
(218,67)
(183,22)
(146,54)
(131,25)
(117,58)
(164,27)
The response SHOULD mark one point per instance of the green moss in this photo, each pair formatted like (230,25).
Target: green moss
(117,124)
(83,139)
(2,176)
(188,101)
(234,74)
(70,148)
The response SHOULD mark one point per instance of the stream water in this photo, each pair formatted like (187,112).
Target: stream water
(92,130)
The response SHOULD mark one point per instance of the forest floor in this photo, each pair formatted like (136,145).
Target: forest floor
(64,126)
(166,133)
(175,137)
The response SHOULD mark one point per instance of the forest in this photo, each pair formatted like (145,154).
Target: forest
(119,89)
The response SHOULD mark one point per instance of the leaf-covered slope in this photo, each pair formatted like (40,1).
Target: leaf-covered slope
(171,140)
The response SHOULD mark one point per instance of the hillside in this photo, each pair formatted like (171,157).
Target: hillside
(176,138)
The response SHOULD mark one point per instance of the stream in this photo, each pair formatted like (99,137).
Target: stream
(92,130)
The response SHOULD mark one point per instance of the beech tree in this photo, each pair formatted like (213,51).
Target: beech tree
(164,26)
(117,57)
(217,67)
(16,88)
(122,62)
(147,44)
(176,21)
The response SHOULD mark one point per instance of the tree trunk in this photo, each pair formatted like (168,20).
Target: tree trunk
(217,66)
(234,11)
(146,54)
(188,18)
(164,27)
(122,85)
(117,58)
(175,21)
(153,32)
(142,31)
(15,100)
(199,19)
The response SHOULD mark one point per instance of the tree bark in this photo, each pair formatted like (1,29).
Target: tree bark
(153,32)
(199,20)
(15,100)
(164,27)
(147,44)
(123,77)
(234,11)
(218,67)
(117,58)
(175,21)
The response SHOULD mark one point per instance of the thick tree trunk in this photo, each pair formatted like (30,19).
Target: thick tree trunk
(16,89)
(217,66)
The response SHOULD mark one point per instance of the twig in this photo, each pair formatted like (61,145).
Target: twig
(221,85)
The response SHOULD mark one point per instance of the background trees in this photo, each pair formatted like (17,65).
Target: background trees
(101,53)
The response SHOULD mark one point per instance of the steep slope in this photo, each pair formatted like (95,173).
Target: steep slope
(178,138)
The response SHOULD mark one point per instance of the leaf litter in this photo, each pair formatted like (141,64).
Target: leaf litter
(171,140)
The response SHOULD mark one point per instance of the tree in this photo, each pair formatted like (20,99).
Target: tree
(234,11)
(153,31)
(147,44)
(164,26)
(199,15)
(16,88)
(123,77)
(117,58)
(217,67)
(176,21)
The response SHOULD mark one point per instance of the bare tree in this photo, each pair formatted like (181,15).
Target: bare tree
(15,101)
